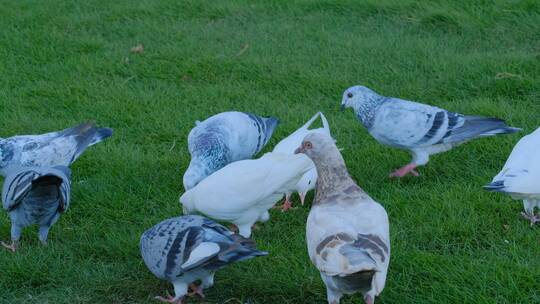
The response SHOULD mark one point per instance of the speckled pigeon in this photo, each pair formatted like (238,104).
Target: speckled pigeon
(224,138)
(347,231)
(51,149)
(35,195)
(422,129)
(520,176)
(188,248)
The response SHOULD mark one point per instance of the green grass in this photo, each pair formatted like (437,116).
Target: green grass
(64,62)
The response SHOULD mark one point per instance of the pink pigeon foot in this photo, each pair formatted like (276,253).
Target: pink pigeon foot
(403,171)
(233,228)
(286,205)
(12,246)
(170,299)
(368,300)
(196,290)
(531,217)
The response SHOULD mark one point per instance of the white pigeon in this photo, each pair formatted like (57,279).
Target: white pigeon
(422,129)
(225,138)
(289,144)
(520,176)
(59,148)
(347,231)
(243,191)
(185,249)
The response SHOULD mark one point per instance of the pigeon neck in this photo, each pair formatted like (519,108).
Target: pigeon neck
(333,178)
(366,110)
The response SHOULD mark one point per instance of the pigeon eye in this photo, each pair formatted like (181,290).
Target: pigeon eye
(350,95)
(308,145)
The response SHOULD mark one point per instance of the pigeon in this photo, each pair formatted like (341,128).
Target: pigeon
(520,176)
(48,150)
(347,231)
(422,129)
(225,138)
(289,144)
(188,248)
(36,195)
(243,192)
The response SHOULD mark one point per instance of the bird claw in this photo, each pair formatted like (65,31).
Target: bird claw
(286,206)
(531,217)
(403,171)
(12,247)
(169,299)
(196,290)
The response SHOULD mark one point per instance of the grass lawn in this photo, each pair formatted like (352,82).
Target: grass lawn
(64,62)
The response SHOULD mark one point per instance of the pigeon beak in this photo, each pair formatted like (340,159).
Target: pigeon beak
(299,150)
(302,197)
(342,107)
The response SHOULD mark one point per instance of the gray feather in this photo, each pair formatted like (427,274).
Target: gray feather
(168,245)
(225,138)
(36,196)
(51,149)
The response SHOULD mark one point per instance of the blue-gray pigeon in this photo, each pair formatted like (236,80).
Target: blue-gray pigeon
(188,248)
(36,195)
(422,129)
(51,149)
(225,138)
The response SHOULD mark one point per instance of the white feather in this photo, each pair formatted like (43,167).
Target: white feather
(292,142)
(521,173)
(243,191)
(201,252)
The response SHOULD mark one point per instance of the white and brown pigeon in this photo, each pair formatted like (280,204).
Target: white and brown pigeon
(36,195)
(185,249)
(347,231)
(225,138)
(289,144)
(51,149)
(421,129)
(242,192)
(520,176)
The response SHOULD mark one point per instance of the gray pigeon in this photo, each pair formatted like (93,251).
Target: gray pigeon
(225,138)
(35,195)
(51,149)
(347,232)
(422,129)
(188,248)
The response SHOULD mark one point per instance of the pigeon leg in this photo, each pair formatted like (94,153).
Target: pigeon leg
(196,290)
(369,299)
(180,289)
(287,204)
(531,217)
(13,246)
(403,171)
(170,299)
(43,233)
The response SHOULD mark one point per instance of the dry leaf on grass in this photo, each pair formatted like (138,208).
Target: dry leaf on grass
(504,75)
(139,48)
(244,48)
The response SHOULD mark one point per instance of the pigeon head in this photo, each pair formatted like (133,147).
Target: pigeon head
(364,102)
(306,183)
(320,148)
(194,174)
